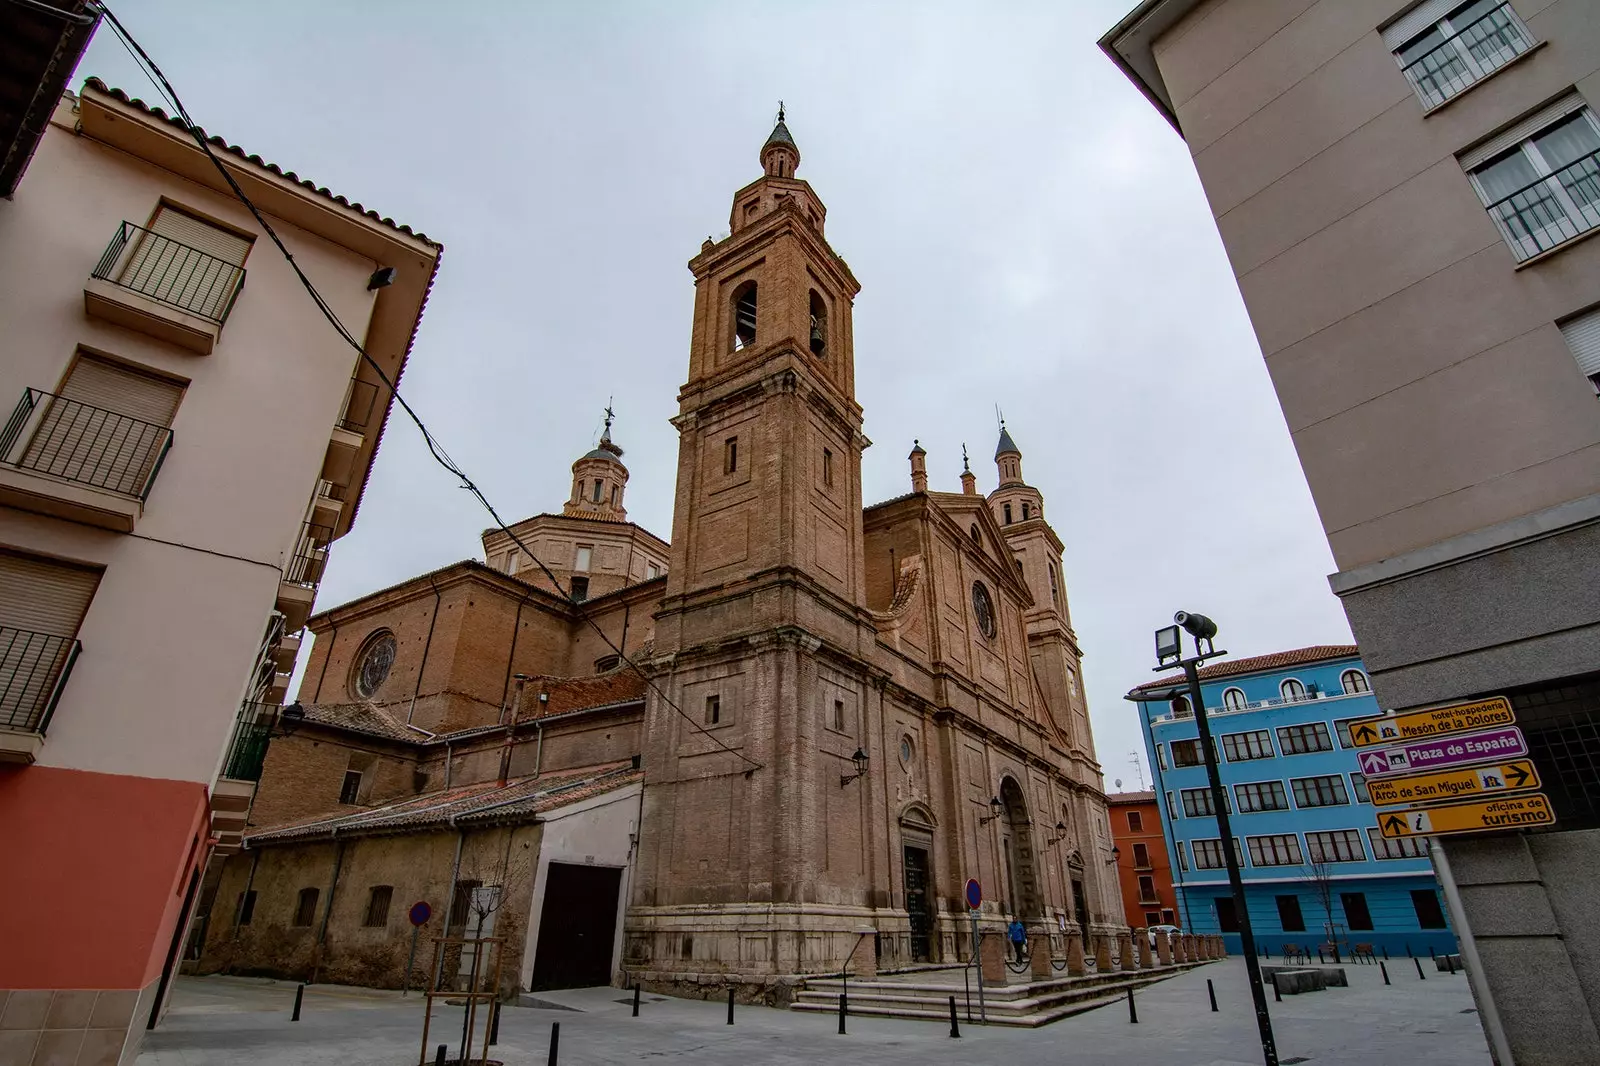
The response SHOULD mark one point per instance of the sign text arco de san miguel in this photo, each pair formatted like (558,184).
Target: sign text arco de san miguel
(1449,770)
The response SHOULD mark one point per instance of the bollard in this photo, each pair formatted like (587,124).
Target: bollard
(635,1001)
(438,1060)
(730,1004)
(494,1023)
(1133,1012)
(555,1043)
(841,1013)
(1419,968)
(1277,993)
(1384,969)
(1450,964)
(1212,992)
(955,1026)
(1386,952)
(299,995)
(1320,959)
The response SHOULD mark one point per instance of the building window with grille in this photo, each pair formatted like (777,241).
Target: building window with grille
(1242,747)
(1396,848)
(1007,509)
(599,489)
(1183,858)
(819,319)
(1582,334)
(1172,802)
(1208,854)
(180,260)
(584,559)
(350,790)
(1339,845)
(1277,849)
(580,589)
(838,715)
(1354,682)
(1147,889)
(1233,700)
(1543,188)
(378,906)
(1359,783)
(1342,727)
(305,908)
(1445,46)
(730,455)
(1322,791)
(827,468)
(713,709)
(1186,753)
(1304,739)
(1141,856)
(1257,796)
(1055,581)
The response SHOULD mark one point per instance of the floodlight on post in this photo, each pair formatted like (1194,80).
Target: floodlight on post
(860,761)
(996,809)
(1169,645)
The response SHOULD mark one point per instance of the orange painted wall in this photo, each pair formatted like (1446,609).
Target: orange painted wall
(1159,868)
(95,871)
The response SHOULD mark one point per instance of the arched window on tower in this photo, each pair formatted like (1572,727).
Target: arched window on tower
(599,487)
(1055,582)
(819,325)
(1027,511)
(744,316)
(1008,513)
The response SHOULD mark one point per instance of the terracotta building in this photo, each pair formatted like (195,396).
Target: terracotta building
(188,437)
(1144,873)
(838,712)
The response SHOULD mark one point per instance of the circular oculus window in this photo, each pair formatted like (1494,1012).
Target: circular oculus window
(907,749)
(983,609)
(372,668)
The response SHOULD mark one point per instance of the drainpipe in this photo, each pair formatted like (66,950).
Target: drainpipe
(1499,1046)
(327,911)
(449,762)
(627,609)
(511,728)
(437,596)
(538,755)
(511,656)
(333,636)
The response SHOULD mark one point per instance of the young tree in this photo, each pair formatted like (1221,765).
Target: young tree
(1320,877)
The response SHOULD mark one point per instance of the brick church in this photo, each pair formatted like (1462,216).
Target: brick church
(734,757)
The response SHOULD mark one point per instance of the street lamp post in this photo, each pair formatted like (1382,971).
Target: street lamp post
(1169,652)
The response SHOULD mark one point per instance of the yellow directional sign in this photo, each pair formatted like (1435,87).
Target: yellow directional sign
(1480,816)
(1459,718)
(1516,775)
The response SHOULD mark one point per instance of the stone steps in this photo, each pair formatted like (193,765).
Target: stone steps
(1027,1005)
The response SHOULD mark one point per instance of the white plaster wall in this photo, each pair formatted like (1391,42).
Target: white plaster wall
(594,832)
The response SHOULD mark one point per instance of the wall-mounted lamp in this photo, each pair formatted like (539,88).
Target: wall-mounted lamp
(1116,853)
(996,809)
(289,719)
(381,278)
(860,760)
(1061,834)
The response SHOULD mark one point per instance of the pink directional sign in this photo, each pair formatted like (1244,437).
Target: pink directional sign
(1445,751)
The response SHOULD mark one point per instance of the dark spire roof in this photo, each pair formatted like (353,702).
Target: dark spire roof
(780,135)
(1006,443)
(917,448)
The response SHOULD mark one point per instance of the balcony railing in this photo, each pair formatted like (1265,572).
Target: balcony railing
(251,737)
(360,400)
(1467,56)
(310,555)
(1551,210)
(161,268)
(328,490)
(33,670)
(1258,705)
(64,438)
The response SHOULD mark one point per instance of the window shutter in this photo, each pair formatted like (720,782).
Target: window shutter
(1420,18)
(202,236)
(89,443)
(1583,337)
(43,596)
(173,273)
(123,389)
(1515,135)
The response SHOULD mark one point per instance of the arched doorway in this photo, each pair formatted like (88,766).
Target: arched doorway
(916,851)
(1022,881)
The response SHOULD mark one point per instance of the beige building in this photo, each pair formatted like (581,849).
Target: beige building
(187,437)
(839,712)
(1406,192)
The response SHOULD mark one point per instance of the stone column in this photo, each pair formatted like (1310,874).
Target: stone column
(1222,947)
(992,958)
(1125,960)
(1202,948)
(863,961)
(1039,953)
(1102,953)
(1180,948)
(1141,949)
(1163,949)
(1074,955)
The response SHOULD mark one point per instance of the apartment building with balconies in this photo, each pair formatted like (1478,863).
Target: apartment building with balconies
(1407,191)
(1144,868)
(1317,871)
(187,437)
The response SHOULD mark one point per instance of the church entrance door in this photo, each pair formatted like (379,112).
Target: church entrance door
(918,905)
(1019,851)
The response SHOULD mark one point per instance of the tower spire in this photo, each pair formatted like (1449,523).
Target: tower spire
(780,156)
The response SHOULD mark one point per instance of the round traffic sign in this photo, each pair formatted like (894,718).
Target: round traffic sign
(420,913)
(974,893)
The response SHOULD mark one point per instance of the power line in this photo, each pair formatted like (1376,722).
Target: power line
(151,70)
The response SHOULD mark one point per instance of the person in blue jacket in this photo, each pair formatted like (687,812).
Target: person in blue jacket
(1018,936)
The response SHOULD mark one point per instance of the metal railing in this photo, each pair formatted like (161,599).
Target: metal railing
(33,670)
(359,401)
(1469,55)
(252,734)
(163,269)
(1551,209)
(73,441)
(330,491)
(310,556)
(1257,705)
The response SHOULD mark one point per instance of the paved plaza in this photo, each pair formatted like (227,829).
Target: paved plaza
(217,1020)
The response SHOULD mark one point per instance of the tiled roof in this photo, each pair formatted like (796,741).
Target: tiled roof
(1130,797)
(1275,661)
(235,150)
(487,801)
(360,718)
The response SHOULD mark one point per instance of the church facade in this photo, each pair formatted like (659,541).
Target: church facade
(798,726)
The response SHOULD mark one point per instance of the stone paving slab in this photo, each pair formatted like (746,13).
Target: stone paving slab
(1418,1023)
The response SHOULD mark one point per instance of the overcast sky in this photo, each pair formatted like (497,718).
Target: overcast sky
(1028,232)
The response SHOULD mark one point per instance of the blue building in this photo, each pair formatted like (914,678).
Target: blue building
(1315,867)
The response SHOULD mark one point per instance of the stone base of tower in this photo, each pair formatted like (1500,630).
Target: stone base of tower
(761,951)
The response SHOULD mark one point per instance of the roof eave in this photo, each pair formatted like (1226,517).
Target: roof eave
(1129,43)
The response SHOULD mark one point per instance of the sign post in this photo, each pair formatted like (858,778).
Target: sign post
(974,894)
(419,915)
